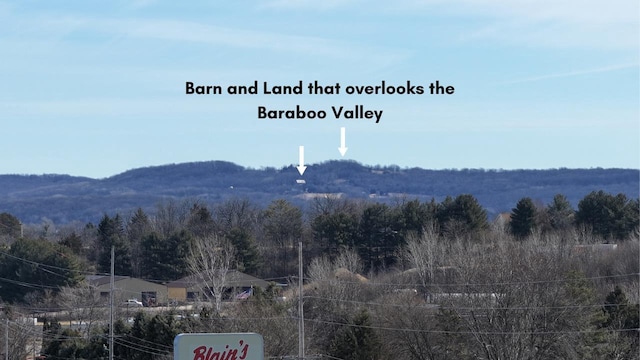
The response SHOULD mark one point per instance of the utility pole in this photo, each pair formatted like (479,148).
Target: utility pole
(35,332)
(6,338)
(300,304)
(113,267)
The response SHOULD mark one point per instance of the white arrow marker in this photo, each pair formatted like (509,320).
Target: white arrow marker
(301,167)
(343,142)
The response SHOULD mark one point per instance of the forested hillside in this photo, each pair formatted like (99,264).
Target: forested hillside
(62,198)
(397,263)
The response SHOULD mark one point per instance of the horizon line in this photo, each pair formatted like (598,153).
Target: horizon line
(293,166)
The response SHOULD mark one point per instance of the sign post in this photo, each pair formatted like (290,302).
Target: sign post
(229,346)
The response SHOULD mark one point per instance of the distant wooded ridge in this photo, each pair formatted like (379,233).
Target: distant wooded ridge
(64,198)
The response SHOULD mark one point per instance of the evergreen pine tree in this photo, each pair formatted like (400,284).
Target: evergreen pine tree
(523,218)
(111,233)
(247,256)
(357,341)
(561,214)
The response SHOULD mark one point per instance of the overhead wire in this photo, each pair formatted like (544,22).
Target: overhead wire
(155,348)
(447,307)
(139,347)
(43,265)
(516,283)
(126,291)
(152,350)
(556,332)
(149,342)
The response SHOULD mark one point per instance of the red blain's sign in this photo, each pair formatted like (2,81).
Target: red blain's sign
(230,346)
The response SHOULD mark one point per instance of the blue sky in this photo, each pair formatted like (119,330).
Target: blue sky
(97,88)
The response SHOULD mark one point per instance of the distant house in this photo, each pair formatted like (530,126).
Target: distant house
(190,288)
(441,275)
(464,298)
(595,248)
(502,220)
(126,287)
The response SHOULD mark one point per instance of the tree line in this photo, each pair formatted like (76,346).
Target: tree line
(155,247)
(436,274)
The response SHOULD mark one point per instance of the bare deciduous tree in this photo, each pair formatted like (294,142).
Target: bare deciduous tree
(84,306)
(235,213)
(422,254)
(515,301)
(23,336)
(171,217)
(350,260)
(210,259)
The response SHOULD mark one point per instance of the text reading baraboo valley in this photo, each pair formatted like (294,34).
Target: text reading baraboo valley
(316,88)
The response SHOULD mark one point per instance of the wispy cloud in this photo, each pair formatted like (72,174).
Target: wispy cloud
(550,23)
(56,27)
(555,34)
(308,4)
(186,31)
(603,69)
(574,11)
(546,23)
(140,4)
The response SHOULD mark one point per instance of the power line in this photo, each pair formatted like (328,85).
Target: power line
(168,347)
(43,265)
(139,347)
(28,285)
(449,332)
(440,307)
(396,284)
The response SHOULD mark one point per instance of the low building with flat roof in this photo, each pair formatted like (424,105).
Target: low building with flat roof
(189,288)
(149,293)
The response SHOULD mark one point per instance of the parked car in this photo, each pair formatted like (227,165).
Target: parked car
(132,303)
